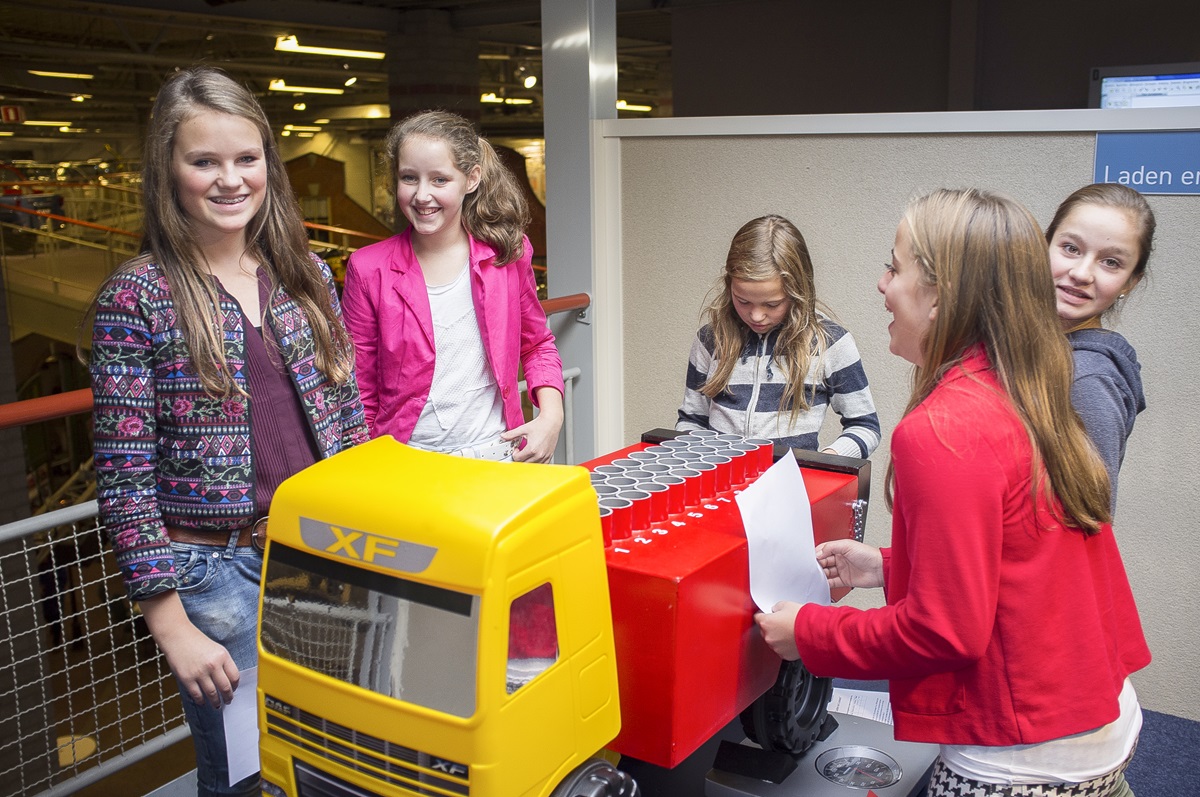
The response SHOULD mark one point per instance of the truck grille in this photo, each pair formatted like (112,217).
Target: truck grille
(412,771)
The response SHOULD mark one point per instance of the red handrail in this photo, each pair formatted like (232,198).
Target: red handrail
(74,402)
(46,408)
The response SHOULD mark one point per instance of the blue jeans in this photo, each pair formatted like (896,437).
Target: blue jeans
(219,590)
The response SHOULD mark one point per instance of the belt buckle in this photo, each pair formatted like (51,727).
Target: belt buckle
(258,534)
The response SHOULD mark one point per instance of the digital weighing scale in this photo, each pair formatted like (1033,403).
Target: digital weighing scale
(859,755)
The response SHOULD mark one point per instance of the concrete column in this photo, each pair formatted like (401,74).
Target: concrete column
(579,65)
(432,65)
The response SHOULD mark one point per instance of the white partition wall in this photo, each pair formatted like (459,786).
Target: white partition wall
(672,192)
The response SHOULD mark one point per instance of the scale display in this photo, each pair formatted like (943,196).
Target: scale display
(858,767)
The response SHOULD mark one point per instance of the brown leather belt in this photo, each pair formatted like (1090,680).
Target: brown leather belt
(254,536)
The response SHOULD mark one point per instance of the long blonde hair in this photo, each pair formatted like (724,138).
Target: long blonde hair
(276,233)
(496,211)
(766,248)
(986,256)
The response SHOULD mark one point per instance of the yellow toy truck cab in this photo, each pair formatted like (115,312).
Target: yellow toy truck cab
(433,625)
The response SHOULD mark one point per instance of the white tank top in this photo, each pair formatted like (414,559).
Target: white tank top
(1071,759)
(464,406)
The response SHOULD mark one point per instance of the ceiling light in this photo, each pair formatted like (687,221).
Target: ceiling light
(531,81)
(302,128)
(279,85)
(67,129)
(70,75)
(5,132)
(320,121)
(47,124)
(491,97)
(289,44)
(624,106)
(350,82)
(299,106)
(81,97)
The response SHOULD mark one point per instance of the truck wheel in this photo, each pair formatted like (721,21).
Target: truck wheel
(787,718)
(596,778)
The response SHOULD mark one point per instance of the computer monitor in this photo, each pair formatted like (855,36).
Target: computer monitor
(1147,86)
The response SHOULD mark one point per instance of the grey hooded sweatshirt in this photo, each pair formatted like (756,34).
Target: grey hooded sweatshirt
(1107,393)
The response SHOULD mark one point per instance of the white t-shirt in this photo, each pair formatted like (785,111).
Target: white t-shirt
(1071,759)
(464,406)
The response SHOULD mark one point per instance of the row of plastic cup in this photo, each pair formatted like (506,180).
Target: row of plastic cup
(649,485)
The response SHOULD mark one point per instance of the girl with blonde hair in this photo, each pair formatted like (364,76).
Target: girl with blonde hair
(771,360)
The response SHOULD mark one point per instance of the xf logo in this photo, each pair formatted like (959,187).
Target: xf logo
(360,545)
(449,767)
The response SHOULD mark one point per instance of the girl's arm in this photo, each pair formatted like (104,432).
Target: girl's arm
(204,668)
(1104,409)
(360,314)
(850,397)
(122,369)
(350,407)
(542,367)
(950,490)
(693,413)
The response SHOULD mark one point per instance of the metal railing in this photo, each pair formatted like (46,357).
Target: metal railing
(85,689)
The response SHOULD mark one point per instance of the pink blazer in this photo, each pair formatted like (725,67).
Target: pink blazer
(386,308)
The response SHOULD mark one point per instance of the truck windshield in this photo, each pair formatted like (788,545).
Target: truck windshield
(409,641)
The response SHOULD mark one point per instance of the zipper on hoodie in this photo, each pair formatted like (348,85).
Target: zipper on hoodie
(758,355)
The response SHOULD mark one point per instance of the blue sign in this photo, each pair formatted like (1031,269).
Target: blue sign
(1153,163)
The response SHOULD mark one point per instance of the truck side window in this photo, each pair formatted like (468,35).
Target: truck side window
(532,636)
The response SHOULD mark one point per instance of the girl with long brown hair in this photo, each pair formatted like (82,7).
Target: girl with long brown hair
(219,368)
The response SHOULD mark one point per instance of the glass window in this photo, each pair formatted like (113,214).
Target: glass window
(532,636)
(400,638)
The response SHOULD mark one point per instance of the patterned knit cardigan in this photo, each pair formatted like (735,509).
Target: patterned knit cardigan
(168,453)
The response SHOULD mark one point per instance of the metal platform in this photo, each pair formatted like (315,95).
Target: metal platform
(860,754)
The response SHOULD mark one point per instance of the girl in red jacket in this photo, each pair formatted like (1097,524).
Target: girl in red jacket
(1010,628)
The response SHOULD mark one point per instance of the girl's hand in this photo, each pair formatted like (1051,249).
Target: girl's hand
(849,563)
(778,628)
(541,438)
(541,434)
(204,668)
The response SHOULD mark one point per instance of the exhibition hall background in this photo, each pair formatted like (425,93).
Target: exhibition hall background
(673,195)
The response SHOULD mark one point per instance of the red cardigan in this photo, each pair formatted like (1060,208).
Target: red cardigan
(1002,626)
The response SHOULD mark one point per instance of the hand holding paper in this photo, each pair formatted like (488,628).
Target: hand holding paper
(777,518)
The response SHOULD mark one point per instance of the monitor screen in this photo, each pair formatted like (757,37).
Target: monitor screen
(1149,86)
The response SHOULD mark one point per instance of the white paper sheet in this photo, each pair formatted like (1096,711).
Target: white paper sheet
(778,522)
(861,703)
(241,727)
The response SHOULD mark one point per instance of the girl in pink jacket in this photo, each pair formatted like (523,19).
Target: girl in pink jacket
(443,314)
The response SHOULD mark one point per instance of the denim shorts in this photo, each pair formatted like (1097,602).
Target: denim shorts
(219,591)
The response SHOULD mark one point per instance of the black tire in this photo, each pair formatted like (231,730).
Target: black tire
(597,778)
(788,717)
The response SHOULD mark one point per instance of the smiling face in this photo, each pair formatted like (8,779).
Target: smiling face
(220,174)
(430,189)
(912,303)
(761,304)
(1092,257)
